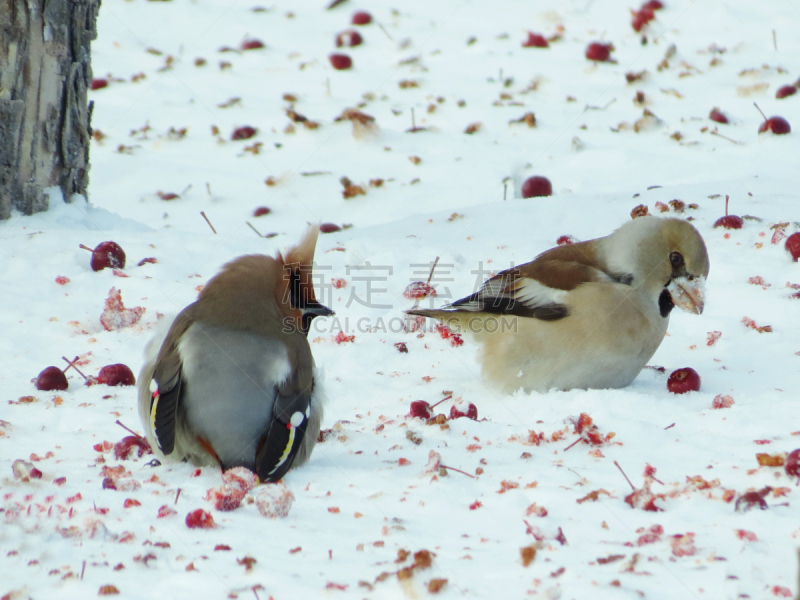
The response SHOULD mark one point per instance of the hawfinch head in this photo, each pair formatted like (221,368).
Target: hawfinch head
(663,254)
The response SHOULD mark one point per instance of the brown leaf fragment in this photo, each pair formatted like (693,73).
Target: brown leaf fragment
(107,590)
(363,124)
(405,573)
(677,205)
(528,118)
(296,117)
(472,128)
(770,460)
(640,211)
(611,558)
(436,585)
(402,554)
(632,76)
(350,189)
(593,496)
(247,561)
(423,559)
(527,554)
(412,437)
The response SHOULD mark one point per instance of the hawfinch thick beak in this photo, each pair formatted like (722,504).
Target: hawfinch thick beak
(315,309)
(688,294)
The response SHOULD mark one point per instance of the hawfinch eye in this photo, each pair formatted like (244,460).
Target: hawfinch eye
(676,259)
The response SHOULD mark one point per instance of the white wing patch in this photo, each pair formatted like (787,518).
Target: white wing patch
(532,294)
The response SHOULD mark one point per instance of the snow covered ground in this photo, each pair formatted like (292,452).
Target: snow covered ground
(372,517)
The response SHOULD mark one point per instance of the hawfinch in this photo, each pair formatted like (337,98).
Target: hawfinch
(584,315)
(232,381)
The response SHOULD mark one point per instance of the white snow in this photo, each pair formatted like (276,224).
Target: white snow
(367,493)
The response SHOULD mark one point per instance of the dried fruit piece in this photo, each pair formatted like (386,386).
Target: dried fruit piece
(721,401)
(115,316)
(124,448)
(420,409)
(793,464)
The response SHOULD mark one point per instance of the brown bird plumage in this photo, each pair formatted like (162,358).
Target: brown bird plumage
(585,315)
(234,375)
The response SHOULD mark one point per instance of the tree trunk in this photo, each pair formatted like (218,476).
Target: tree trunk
(45,70)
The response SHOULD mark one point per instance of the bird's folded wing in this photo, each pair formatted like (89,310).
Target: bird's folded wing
(286,430)
(168,375)
(536,289)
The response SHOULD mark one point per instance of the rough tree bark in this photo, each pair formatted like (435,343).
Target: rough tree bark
(45,70)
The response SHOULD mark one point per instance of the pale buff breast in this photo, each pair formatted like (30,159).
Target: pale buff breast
(605,342)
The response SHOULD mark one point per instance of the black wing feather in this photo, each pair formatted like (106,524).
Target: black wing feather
(284,435)
(170,394)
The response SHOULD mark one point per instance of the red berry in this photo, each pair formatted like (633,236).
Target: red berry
(535,41)
(598,51)
(683,380)
(653,5)
(340,62)
(329,228)
(471,413)
(418,290)
(252,44)
(536,186)
(52,378)
(642,18)
(717,116)
(118,374)
(362,18)
(421,409)
(99,84)
(638,22)
(200,519)
(349,38)
(261,211)
(729,222)
(792,245)
(786,90)
(777,125)
(124,448)
(793,464)
(243,133)
(107,254)
(646,14)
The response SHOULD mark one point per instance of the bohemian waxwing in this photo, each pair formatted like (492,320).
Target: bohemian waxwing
(584,315)
(231,383)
